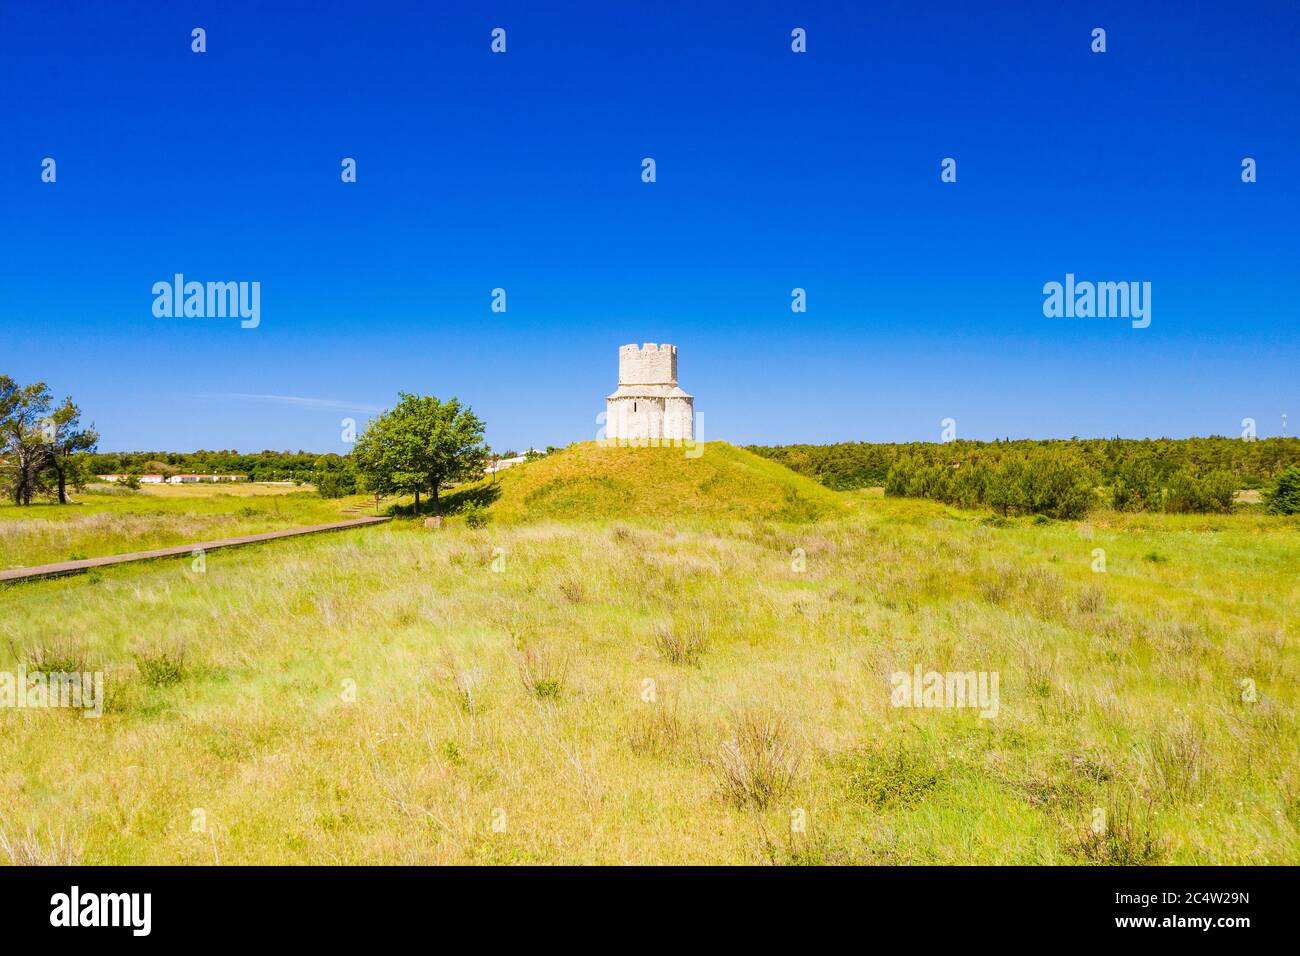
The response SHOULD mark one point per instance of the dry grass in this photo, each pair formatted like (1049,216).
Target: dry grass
(385,696)
(757,763)
(543,669)
(34,848)
(1178,760)
(98,525)
(683,642)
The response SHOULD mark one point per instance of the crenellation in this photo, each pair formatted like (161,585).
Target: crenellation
(650,364)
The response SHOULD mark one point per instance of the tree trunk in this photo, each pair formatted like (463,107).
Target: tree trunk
(63,487)
(417,502)
(22,491)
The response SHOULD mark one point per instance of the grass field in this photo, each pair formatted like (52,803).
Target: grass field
(703,678)
(116,520)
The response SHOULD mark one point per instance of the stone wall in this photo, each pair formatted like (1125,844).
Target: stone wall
(647,365)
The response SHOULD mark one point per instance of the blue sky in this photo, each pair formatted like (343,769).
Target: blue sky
(775,170)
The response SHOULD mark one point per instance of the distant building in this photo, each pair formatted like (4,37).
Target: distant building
(501,464)
(174,479)
(648,405)
(193,479)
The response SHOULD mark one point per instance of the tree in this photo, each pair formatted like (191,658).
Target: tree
(66,439)
(1137,485)
(1188,493)
(334,477)
(1283,498)
(421,445)
(23,438)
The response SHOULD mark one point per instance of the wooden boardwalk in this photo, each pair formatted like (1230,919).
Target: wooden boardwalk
(180,550)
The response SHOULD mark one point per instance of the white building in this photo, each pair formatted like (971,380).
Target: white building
(501,464)
(192,479)
(648,406)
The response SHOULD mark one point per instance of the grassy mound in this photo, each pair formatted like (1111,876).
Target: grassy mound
(587,480)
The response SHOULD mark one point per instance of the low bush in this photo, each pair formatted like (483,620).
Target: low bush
(1283,496)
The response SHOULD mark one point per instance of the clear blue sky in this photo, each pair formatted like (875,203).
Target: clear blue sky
(775,170)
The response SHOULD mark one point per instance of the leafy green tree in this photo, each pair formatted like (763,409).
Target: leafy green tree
(969,484)
(23,438)
(1057,485)
(66,439)
(1137,485)
(1283,497)
(1189,493)
(898,477)
(419,446)
(1004,489)
(334,477)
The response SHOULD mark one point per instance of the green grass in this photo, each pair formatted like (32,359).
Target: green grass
(101,524)
(587,480)
(668,688)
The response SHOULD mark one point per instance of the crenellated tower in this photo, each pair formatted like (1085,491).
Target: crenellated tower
(648,405)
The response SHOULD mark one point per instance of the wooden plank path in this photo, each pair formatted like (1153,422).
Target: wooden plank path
(180,550)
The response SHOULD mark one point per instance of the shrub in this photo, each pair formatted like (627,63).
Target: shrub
(759,761)
(573,590)
(1056,485)
(681,642)
(542,671)
(460,684)
(896,479)
(890,776)
(63,658)
(160,668)
(1187,493)
(1125,834)
(1283,496)
(334,484)
(969,485)
(476,516)
(1043,482)
(1137,486)
(1091,599)
(655,730)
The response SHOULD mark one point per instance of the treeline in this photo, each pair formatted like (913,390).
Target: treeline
(258,466)
(1062,479)
(1057,484)
(849,465)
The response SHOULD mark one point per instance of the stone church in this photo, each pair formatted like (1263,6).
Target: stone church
(648,405)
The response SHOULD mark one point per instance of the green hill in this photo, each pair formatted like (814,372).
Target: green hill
(587,480)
